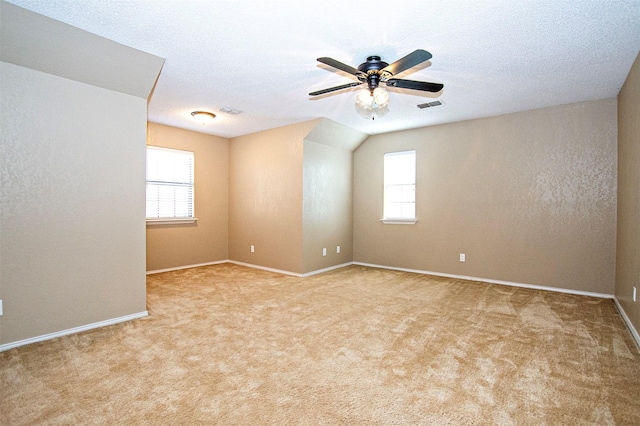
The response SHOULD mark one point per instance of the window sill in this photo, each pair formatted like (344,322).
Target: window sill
(171,221)
(398,221)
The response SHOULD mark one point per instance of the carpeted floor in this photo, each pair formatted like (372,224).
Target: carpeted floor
(231,345)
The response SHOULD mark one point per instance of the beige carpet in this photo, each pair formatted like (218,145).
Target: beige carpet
(231,345)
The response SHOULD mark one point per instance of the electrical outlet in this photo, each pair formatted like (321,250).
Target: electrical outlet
(634,294)
(463,257)
(324,251)
(1,310)
(338,249)
(253,249)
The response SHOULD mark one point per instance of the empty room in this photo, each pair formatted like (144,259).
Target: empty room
(362,213)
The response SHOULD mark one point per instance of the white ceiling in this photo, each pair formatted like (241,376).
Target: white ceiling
(259,56)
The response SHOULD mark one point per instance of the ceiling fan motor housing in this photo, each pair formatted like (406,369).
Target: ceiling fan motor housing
(373,64)
(372,70)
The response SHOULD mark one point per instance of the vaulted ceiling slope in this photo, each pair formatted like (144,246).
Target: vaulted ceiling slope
(259,57)
(34,41)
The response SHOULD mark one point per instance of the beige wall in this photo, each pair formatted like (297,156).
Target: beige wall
(528,197)
(72,219)
(628,254)
(265,197)
(291,196)
(170,246)
(327,206)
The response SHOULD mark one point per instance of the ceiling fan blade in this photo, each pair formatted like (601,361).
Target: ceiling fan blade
(333,89)
(342,67)
(414,85)
(411,60)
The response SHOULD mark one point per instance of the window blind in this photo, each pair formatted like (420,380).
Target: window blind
(400,185)
(169,183)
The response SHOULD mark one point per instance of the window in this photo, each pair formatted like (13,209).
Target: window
(169,185)
(400,187)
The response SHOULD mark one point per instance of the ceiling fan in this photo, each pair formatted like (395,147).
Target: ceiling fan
(375,71)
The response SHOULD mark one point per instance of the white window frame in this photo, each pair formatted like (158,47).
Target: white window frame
(183,179)
(399,189)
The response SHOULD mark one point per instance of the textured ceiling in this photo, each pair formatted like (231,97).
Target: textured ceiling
(259,57)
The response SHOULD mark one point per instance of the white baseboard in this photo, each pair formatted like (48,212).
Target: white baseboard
(112,321)
(91,326)
(330,268)
(487,280)
(177,268)
(295,274)
(626,319)
(264,268)
(416,271)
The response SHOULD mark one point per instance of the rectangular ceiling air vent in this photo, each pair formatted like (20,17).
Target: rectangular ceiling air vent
(229,111)
(430,104)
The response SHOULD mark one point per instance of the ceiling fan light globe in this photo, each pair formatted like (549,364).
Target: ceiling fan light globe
(368,100)
(364,99)
(380,98)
